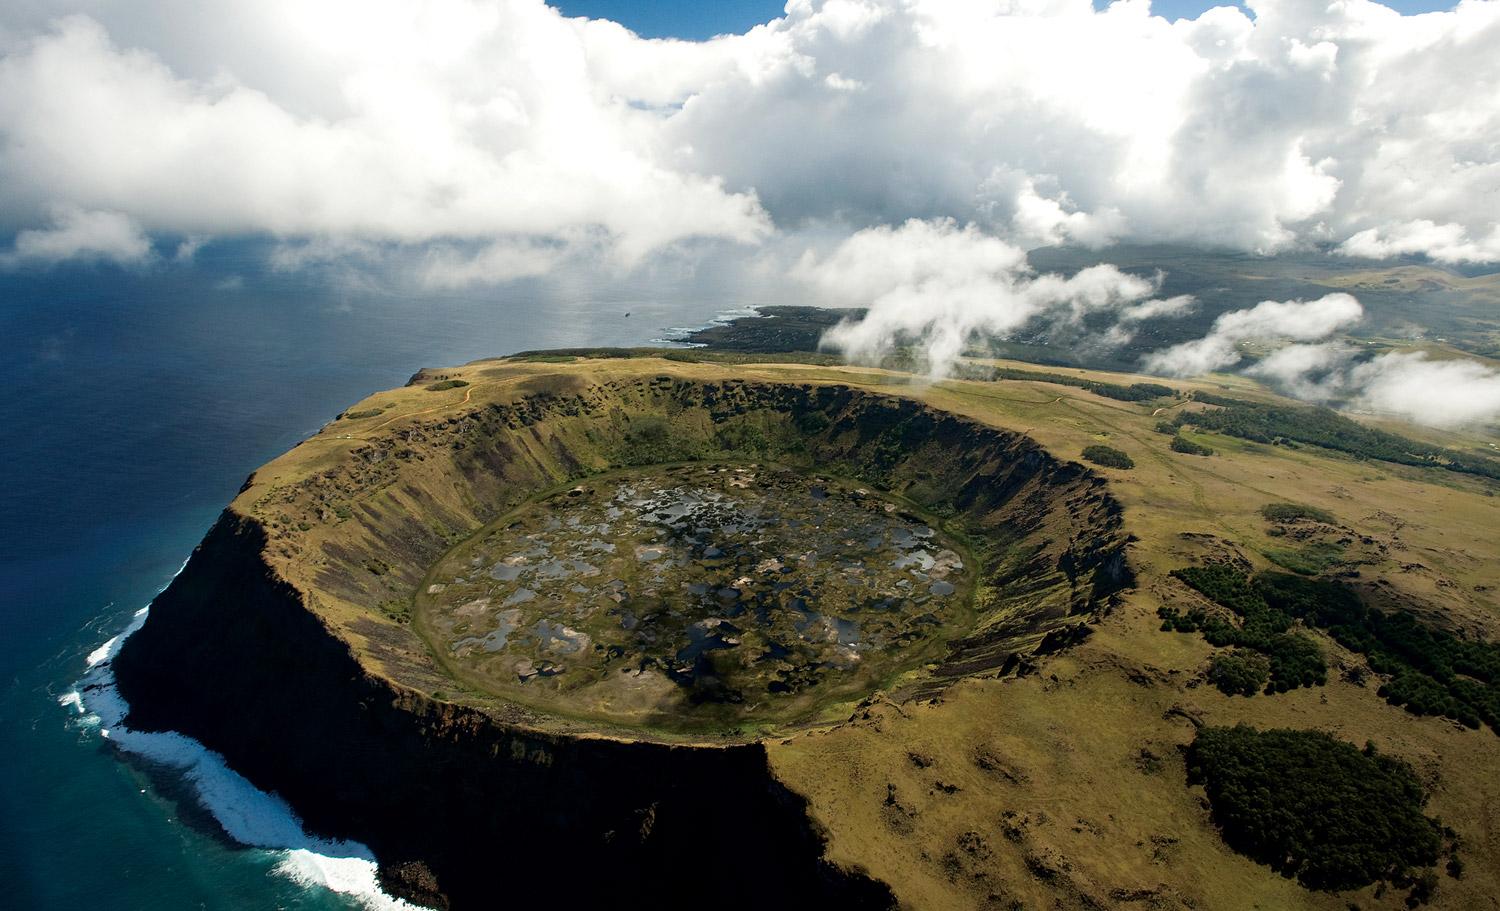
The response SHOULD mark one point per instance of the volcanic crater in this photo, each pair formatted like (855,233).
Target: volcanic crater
(585,595)
(701,595)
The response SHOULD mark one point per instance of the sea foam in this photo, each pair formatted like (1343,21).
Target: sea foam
(678,335)
(248,815)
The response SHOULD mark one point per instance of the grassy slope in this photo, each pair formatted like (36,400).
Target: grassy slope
(1096,826)
(1062,749)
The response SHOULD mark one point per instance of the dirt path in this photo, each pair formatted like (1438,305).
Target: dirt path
(468,394)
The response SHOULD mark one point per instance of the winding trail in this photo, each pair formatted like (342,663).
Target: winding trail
(363,433)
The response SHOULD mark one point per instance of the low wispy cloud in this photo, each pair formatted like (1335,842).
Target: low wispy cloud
(1295,320)
(1311,372)
(1438,393)
(1309,362)
(494,263)
(75,235)
(938,287)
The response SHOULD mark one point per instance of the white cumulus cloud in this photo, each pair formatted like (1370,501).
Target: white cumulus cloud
(459,124)
(1448,243)
(425,122)
(1048,121)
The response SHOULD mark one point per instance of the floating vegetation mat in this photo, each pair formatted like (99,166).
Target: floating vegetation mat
(696,596)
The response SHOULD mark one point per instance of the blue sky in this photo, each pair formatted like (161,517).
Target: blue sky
(696,20)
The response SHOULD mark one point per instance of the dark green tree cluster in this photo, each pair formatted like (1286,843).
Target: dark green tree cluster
(1291,512)
(1294,659)
(1240,672)
(1135,392)
(357,415)
(651,439)
(1108,456)
(1430,670)
(747,439)
(1226,585)
(1181,443)
(1264,423)
(1314,807)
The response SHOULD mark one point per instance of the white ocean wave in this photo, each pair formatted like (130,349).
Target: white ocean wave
(676,334)
(667,340)
(248,815)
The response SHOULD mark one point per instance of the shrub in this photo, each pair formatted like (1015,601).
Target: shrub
(1314,807)
(1183,444)
(811,421)
(1108,456)
(1155,390)
(1135,392)
(747,439)
(651,439)
(1225,585)
(1309,560)
(1296,661)
(442,385)
(1291,512)
(1240,672)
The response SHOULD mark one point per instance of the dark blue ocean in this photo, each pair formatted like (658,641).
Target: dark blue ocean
(134,404)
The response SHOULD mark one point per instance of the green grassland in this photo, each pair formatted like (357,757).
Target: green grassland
(1064,784)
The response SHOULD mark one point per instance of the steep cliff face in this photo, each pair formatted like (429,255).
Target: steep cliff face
(461,810)
(282,644)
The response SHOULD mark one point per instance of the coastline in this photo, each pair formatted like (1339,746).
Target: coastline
(683,335)
(250,817)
